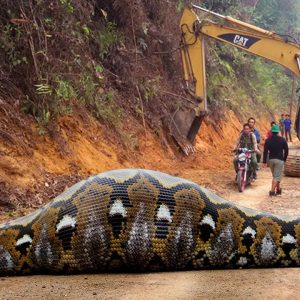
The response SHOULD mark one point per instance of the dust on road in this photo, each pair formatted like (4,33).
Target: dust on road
(212,284)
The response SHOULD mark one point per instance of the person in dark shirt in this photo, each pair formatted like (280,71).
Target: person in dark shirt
(277,148)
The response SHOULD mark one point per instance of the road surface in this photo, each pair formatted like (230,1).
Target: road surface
(212,284)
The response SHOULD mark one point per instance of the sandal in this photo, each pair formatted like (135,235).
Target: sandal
(272,193)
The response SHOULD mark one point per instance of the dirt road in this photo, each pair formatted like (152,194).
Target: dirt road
(214,284)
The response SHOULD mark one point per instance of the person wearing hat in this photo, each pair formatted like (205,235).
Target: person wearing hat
(277,149)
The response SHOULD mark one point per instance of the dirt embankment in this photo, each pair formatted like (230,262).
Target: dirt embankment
(35,168)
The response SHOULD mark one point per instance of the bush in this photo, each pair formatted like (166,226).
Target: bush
(107,110)
(106,38)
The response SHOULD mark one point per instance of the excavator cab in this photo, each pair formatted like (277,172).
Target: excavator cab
(187,120)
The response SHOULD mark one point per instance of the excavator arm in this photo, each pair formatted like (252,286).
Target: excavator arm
(247,37)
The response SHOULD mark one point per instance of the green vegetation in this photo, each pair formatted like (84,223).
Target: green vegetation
(106,109)
(68,5)
(130,140)
(54,55)
(10,34)
(43,120)
(106,38)
(150,88)
(64,54)
(280,16)
(269,84)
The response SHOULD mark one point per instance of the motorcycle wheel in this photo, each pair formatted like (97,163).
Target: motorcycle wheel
(241,180)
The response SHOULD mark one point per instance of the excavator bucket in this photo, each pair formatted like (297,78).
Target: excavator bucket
(186,121)
(184,127)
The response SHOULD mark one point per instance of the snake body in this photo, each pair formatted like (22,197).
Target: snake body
(141,220)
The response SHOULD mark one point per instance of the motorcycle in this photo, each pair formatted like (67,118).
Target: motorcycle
(245,174)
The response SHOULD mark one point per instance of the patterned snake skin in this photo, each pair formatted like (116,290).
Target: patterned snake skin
(140,220)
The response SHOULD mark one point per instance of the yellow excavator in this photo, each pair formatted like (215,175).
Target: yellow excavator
(270,45)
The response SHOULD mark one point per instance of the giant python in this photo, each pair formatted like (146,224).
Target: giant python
(141,220)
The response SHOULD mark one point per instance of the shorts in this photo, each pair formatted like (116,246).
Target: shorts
(276,166)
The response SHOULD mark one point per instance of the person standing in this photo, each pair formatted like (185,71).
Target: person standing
(281,125)
(287,128)
(277,149)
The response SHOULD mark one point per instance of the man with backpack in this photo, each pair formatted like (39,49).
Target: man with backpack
(247,139)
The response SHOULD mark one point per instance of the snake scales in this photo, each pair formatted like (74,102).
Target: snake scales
(140,220)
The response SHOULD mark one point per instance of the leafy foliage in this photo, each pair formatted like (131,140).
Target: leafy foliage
(280,16)
(43,120)
(269,83)
(47,50)
(229,7)
(64,90)
(106,109)
(106,38)
(150,88)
